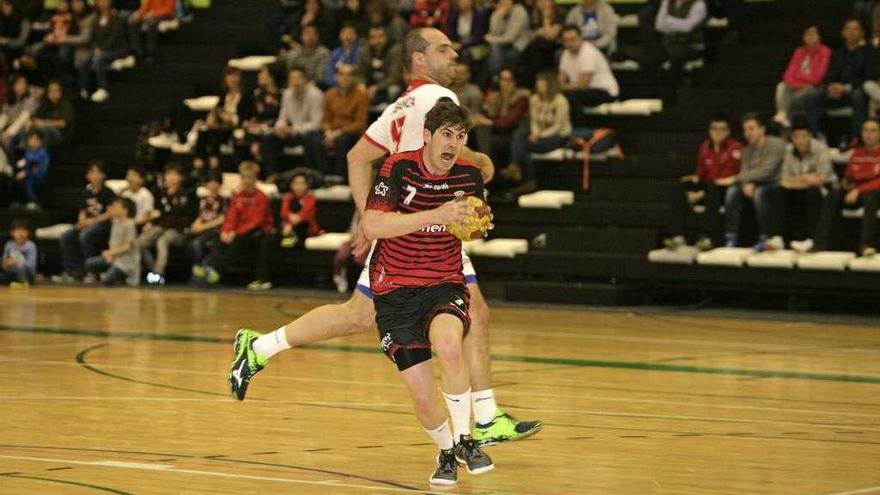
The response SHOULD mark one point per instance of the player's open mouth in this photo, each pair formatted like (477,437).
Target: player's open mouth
(447,156)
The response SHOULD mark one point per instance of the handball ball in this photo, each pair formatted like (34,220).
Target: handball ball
(476,224)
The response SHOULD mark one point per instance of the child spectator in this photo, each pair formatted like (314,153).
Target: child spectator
(146,19)
(809,184)
(756,182)
(176,211)
(88,237)
(141,196)
(204,232)
(32,172)
(121,262)
(54,117)
(19,256)
(298,221)
(248,221)
(718,163)
(805,72)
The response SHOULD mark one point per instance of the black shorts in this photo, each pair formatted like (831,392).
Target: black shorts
(404,316)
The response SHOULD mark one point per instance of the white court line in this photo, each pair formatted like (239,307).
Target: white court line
(861,490)
(172,469)
(506,392)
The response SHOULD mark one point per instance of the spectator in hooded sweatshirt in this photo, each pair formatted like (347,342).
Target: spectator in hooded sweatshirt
(804,75)
(718,163)
(757,182)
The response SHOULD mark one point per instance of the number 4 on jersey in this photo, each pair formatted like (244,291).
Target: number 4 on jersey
(397,131)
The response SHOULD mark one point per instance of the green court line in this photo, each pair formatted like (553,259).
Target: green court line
(578,363)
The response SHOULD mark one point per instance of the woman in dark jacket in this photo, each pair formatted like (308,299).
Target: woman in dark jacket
(235,107)
(54,117)
(466,27)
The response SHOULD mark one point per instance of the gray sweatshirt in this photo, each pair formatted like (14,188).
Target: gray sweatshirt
(123,231)
(511,28)
(816,162)
(303,114)
(764,164)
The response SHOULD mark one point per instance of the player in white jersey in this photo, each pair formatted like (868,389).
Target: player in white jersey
(429,59)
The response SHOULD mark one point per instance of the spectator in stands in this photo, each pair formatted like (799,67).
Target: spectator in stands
(861,187)
(54,117)
(121,262)
(145,22)
(545,22)
(505,123)
(142,197)
(468,93)
(298,212)
(584,75)
(851,65)
(430,13)
(89,236)
(597,23)
(19,262)
(21,103)
(380,13)
(757,182)
(176,211)
(381,67)
(299,121)
(46,54)
(248,222)
(348,52)
(508,35)
(804,75)
(283,19)
(316,14)
(680,25)
(466,27)
(809,184)
(310,54)
(718,163)
(204,232)
(353,12)
(344,120)
(267,104)
(15,29)
(32,172)
(101,40)
(234,108)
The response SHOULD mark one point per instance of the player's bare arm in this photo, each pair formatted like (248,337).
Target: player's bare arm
(382,225)
(483,161)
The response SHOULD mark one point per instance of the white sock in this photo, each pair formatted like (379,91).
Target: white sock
(441,435)
(460,411)
(484,406)
(271,343)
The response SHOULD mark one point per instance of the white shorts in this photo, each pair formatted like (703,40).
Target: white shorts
(363,284)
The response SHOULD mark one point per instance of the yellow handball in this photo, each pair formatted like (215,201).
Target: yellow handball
(477,223)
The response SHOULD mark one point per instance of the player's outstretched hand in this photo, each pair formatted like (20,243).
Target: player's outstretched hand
(360,245)
(452,212)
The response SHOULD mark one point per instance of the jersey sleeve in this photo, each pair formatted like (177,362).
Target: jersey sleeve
(385,193)
(379,132)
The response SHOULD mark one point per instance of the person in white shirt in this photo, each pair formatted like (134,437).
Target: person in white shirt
(140,195)
(584,75)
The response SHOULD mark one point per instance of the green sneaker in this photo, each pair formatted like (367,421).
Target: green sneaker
(246,363)
(211,275)
(504,428)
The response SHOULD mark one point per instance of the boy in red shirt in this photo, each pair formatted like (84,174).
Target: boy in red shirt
(248,221)
(718,163)
(298,212)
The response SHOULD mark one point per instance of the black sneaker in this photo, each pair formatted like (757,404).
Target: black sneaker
(468,454)
(447,469)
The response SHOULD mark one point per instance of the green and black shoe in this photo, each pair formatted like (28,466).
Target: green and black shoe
(246,362)
(504,428)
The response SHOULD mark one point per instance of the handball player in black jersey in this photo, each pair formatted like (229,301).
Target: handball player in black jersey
(416,276)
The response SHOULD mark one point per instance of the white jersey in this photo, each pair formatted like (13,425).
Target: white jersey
(400,127)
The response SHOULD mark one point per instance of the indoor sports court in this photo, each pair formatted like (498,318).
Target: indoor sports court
(126,392)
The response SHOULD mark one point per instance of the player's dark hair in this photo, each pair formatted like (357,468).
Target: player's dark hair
(755,116)
(413,42)
(447,114)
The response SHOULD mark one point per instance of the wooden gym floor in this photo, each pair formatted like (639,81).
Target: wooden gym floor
(124,391)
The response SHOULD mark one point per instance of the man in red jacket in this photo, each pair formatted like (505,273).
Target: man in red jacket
(248,222)
(717,165)
(146,19)
(861,187)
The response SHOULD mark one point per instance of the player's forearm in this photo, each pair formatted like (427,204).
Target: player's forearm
(359,177)
(487,168)
(383,225)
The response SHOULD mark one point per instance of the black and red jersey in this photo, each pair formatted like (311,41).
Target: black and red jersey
(431,256)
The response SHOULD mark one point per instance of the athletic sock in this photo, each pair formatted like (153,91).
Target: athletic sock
(272,343)
(484,406)
(441,435)
(460,411)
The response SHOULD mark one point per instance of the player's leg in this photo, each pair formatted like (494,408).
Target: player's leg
(252,350)
(492,424)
